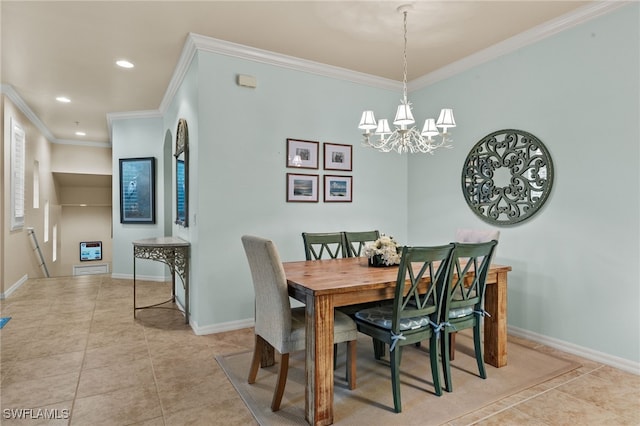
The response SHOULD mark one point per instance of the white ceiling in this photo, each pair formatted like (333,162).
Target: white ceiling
(54,48)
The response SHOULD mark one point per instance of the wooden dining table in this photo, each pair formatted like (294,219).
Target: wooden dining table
(323,285)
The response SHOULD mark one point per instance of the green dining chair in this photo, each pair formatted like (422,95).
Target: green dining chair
(356,241)
(465,235)
(414,315)
(464,300)
(324,245)
(278,324)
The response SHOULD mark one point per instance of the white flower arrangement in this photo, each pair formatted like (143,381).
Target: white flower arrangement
(386,248)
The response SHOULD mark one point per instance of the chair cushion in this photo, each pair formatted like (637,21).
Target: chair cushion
(382,316)
(460,312)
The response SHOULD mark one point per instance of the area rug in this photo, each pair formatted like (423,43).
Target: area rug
(3,321)
(371,403)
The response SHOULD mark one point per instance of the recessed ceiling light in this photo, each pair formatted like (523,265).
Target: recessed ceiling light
(78,133)
(124,63)
(63,99)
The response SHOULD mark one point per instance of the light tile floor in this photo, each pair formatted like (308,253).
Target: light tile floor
(72,350)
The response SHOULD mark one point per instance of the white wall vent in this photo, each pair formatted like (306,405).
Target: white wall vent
(90,269)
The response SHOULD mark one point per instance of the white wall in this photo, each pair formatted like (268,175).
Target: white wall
(19,259)
(89,223)
(576,262)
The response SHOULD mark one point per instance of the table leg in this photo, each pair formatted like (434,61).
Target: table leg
(267,357)
(495,327)
(319,360)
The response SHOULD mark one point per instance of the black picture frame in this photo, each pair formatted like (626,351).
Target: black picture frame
(338,157)
(302,154)
(302,188)
(138,190)
(338,189)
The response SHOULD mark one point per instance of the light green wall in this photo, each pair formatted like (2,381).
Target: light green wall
(242,172)
(185,104)
(575,264)
(134,138)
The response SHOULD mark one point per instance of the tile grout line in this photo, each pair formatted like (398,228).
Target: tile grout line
(84,353)
(153,370)
(515,404)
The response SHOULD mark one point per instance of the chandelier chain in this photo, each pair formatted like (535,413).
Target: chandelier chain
(404,58)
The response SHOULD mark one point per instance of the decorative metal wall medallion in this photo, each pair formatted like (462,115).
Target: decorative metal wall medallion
(507,177)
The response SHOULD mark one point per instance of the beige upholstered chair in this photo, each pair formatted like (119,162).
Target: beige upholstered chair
(471,236)
(280,325)
(476,235)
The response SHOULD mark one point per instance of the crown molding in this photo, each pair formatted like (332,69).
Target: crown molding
(518,41)
(188,52)
(211,45)
(151,113)
(95,144)
(11,93)
(17,100)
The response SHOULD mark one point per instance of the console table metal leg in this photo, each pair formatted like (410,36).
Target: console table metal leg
(134,286)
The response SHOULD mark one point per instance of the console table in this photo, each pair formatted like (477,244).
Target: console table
(172,251)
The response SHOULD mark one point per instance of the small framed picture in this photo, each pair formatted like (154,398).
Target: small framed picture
(337,157)
(302,154)
(338,188)
(138,190)
(302,188)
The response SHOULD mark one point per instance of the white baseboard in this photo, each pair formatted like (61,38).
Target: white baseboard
(160,279)
(14,287)
(611,360)
(219,328)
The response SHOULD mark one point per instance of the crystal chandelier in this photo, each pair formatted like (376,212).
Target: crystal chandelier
(405,137)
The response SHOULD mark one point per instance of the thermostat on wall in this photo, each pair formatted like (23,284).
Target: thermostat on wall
(247,81)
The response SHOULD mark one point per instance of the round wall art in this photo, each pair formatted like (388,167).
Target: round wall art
(507,177)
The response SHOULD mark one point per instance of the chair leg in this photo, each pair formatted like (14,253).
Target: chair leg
(255,362)
(446,362)
(282,380)
(395,378)
(452,346)
(351,364)
(435,369)
(478,349)
(378,349)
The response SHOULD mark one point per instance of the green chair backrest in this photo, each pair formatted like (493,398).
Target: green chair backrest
(469,292)
(417,264)
(357,240)
(323,245)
